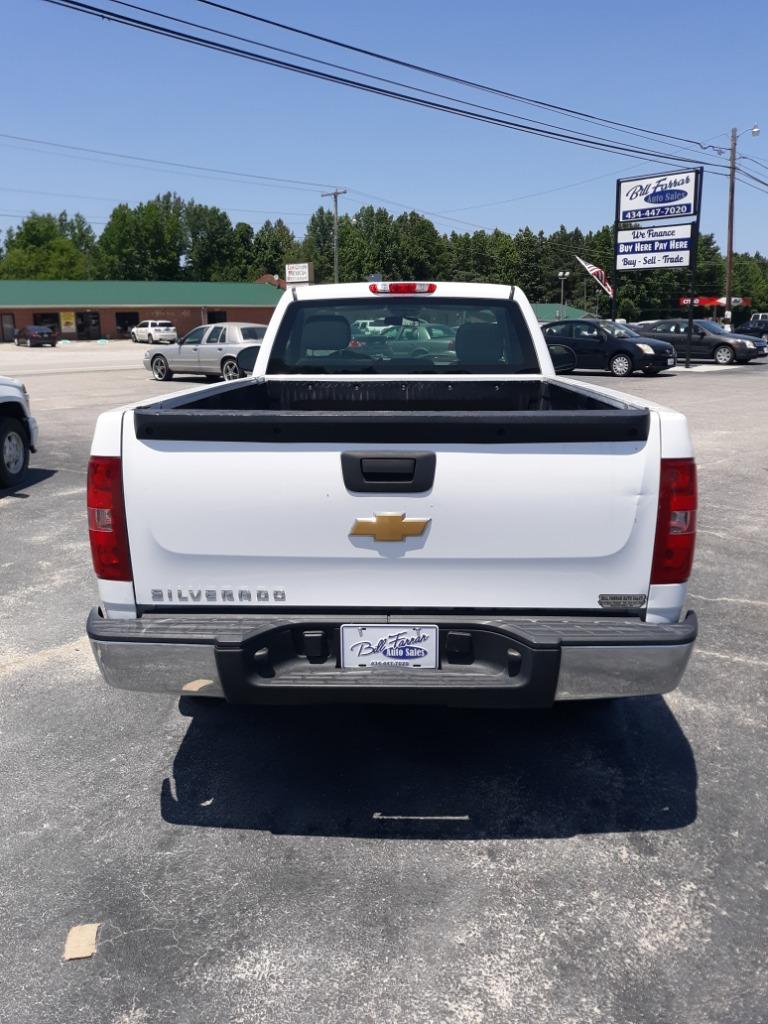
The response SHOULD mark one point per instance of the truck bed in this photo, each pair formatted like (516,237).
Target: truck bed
(477,412)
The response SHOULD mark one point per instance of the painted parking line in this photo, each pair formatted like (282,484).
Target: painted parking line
(700,369)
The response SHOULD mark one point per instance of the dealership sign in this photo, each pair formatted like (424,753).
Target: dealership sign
(660,197)
(666,247)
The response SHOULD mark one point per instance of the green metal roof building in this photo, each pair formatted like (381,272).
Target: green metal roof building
(93,309)
(546,311)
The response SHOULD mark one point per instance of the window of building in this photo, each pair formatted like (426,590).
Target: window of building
(7,326)
(88,325)
(125,321)
(46,320)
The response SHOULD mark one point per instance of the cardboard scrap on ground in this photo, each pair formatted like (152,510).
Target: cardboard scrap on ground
(81,942)
(196,684)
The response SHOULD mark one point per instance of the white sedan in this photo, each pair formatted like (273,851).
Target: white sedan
(210,350)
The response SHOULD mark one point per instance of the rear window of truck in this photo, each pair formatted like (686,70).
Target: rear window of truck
(403,336)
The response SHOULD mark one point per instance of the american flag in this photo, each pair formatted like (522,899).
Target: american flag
(598,274)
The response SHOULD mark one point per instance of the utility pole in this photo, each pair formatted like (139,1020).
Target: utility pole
(729,254)
(754,131)
(335,194)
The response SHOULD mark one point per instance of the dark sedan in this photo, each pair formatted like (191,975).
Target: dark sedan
(605,345)
(756,327)
(709,340)
(33,336)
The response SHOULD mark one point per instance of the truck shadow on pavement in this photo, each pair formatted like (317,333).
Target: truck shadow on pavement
(33,476)
(433,773)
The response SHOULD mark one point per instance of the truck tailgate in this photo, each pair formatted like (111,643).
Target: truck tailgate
(528,525)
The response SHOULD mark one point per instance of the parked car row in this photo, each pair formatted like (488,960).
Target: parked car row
(209,350)
(651,346)
(756,326)
(708,341)
(605,345)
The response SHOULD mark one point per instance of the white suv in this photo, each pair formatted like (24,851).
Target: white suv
(18,432)
(161,331)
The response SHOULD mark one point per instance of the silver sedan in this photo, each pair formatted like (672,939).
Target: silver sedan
(210,350)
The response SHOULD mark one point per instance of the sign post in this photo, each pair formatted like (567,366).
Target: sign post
(643,237)
(694,253)
(615,275)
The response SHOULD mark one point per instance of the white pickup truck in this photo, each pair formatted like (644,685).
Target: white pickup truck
(458,528)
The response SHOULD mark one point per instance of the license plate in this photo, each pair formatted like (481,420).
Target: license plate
(670,362)
(391,646)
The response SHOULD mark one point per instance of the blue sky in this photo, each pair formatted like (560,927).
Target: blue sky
(682,69)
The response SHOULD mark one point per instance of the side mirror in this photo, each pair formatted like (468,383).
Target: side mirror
(246,359)
(563,358)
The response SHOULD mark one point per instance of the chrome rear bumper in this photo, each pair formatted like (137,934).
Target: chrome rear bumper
(514,661)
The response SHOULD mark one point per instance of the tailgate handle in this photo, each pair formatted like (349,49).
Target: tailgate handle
(393,470)
(385,472)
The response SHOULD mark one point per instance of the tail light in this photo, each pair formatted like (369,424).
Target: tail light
(402,288)
(356,343)
(676,522)
(106,519)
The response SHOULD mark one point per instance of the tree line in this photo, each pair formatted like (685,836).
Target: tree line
(170,239)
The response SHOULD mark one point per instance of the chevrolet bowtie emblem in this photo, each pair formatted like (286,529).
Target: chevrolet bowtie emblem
(389,526)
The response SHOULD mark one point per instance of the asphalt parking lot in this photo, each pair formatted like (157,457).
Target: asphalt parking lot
(397,866)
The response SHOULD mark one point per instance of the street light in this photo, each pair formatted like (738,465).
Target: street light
(754,131)
(562,275)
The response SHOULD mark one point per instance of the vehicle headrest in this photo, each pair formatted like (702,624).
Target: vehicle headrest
(328,332)
(479,343)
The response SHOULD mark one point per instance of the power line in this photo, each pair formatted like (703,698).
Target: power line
(141,167)
(308,185)
(114,199)
(234,209)
(60,195)
(605,145)
(354,71)
(754,160)
(291,213)
(19,213)
(752,177)
(749,184)
(561,188)
(422,213)
(149,167)
(567,111)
